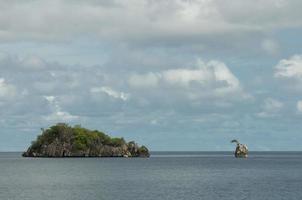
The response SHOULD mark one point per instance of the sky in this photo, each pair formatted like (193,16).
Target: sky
(186,75)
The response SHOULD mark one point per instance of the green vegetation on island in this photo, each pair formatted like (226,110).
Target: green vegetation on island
(62,140)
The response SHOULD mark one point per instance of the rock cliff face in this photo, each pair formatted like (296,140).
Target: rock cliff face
(62,140)
(241,150)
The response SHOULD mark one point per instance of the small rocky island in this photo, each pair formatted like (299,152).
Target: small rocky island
(62,140)
(241,150)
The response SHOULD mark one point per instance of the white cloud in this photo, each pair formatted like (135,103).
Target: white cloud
(27,63)
(56,20)
(6,90)
(145,48)
(281,3)
(149,80)
(299,106)
(33,62)
(271,108)
(154,122)
(289,68)
(210,85)
(185,77)
(110,92)
(212,78)
(50,99)
(58,115)
(204,74)
(3,56)
(270,46)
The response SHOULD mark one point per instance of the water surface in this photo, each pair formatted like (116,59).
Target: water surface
(165,176)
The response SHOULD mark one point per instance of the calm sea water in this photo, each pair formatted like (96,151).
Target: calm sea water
(164,176)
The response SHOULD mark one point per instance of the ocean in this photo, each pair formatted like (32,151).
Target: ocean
(163,176)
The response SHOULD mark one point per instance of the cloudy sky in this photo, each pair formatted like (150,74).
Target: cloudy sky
(173,74)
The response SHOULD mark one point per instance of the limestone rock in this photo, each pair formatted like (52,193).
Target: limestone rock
(241,150)
(62,140)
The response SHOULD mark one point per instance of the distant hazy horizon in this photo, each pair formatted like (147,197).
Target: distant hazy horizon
(171,75)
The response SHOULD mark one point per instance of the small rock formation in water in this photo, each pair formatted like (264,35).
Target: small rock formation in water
(62,140)
(241,150)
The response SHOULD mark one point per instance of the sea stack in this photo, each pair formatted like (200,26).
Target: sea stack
(241,150)
(62,140)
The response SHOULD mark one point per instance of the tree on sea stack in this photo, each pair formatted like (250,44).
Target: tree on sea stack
(241,150)
(62,140)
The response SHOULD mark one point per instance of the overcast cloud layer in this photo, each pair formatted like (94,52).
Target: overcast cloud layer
(174,75)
